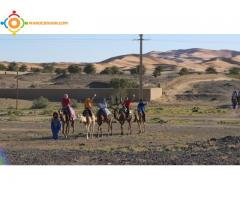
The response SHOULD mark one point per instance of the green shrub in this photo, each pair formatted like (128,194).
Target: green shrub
(183,71)
(48,67)
(12,117)
(15,112)
(157,71)
(195,109)
(60,71)
(35,70)
(136,70)
(123,83)
(111,70)
(74,68)
(2,67)
(40,103)
(89,69)
(12,66)
(23,68)
(211,70)
(234,71)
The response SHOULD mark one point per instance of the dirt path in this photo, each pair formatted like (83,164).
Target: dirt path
(31,143)
(184,139)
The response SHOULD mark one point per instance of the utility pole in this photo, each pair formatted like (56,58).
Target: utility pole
(17,91)
(141,67)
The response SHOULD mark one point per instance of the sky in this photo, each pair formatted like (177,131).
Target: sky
(95,48)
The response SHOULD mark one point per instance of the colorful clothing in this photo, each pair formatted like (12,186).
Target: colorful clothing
(88,107)
(127,104)
(141,107)
(102,105)
(55,127)
(88,103)
(66,102)
(72,113)
(87,112)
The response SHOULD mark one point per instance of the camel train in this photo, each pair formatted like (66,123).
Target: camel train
(122,115)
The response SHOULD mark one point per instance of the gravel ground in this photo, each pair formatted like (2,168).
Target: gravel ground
(223,151)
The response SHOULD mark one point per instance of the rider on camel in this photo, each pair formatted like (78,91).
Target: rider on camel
(88,104)
(66,103)
(127,104)
(141,109)
(103,108)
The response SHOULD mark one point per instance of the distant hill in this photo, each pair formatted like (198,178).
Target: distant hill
(194,59)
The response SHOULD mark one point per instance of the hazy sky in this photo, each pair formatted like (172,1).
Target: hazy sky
(92,48)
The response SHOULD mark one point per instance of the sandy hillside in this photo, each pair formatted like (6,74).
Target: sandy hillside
(194,59)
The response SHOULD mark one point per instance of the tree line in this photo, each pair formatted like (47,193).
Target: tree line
(91,69)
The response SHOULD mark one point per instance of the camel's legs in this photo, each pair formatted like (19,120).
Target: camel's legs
(121,129)
(67,129)
(87,130)
(108,128)
(139,127)
(144,127)
(63,129)
(111,127)
(92,127)
(73,126)
(91,130)
(130,127)
(99,130)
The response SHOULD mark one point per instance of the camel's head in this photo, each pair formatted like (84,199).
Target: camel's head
(82,119)
(116,112)
(60,113)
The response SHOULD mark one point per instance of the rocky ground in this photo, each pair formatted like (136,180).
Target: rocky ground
(223,151)
(202,131)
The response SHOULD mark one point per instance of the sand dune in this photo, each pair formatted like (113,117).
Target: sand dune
(194,59)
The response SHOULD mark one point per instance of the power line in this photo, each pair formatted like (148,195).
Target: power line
(141,39)
(141,67)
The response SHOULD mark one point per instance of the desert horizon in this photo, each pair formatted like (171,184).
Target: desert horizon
(196,59)
(106,99)
(192,115)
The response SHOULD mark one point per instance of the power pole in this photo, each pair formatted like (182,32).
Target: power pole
(141,67)
(17,91)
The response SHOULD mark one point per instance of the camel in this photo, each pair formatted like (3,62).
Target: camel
(89,123)
(139,118)
(101,119)
(120,116)
(66,122)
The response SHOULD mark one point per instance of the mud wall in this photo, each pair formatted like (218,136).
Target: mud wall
(80,94)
